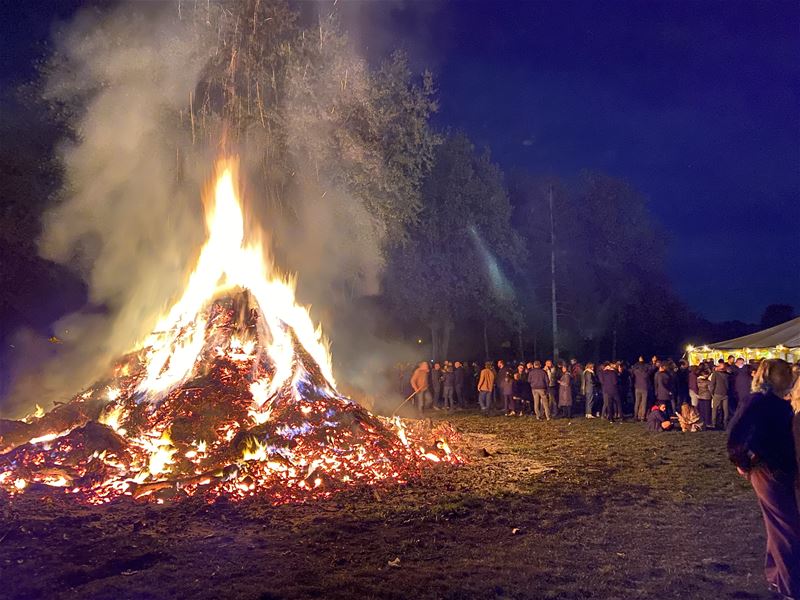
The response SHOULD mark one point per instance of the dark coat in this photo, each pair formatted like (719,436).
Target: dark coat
(609,381)
(537,379)
(761,434)
(519,388)
(663,385)
(742,380)
(505,380)
(436,379)
(459,376)
(693,381)
(641,376)
(448,379)
(654,420)
(718,383)
(565,390)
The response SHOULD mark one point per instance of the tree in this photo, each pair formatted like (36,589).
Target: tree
(609,259)
(452,266)
(775,314)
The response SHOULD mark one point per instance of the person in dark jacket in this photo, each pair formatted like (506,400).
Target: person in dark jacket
(718,385)
(681,384)
(449,387)
(641,383)
(609,383)
(692,384)
(761,445)
(518,393)
(742,381)
(565,393)
(537,379)
(436,385)
(589,386)
(460,381)
(505,381)
(657,419)
(663,388)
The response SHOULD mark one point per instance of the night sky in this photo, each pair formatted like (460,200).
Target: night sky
(695,103)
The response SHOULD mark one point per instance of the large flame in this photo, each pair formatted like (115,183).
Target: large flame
(232,393)
(225,262)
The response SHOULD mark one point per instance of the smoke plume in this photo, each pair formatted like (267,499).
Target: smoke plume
(130,218)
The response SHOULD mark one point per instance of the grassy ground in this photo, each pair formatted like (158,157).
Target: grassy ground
(580,509)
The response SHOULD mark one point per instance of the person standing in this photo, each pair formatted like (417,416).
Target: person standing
(419,383)
(704,394)
(761,445)
(589,389)
(460,380)
(663,388)
(505,385)
(486,387)
(641,384)
(552,381)
(518,394)
(692,384)
(609,383)
(449,387)
(436,385)
(565,393)
(681,386)
(742,382)
(718,385)
(537,379)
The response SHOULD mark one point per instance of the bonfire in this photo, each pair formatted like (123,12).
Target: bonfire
(232,394)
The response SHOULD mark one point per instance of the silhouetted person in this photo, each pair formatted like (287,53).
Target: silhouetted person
(718,385)
(761,445)
(537,379)
(420,385)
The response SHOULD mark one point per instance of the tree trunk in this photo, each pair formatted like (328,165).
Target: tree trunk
(447,328)
(520,346)
(434,341)
(485,340)
(614,344)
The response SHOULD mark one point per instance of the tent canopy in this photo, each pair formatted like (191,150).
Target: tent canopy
(786,334)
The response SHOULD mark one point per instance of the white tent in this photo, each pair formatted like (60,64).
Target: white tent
(781,341)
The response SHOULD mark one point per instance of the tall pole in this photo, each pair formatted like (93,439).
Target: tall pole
(553,273)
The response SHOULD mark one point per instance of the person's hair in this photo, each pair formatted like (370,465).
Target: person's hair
(591,364)
(795,396)
(773,375)
(721,361)
(488,365)
(537,364)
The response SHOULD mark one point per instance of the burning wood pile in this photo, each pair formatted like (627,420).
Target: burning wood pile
(233,394)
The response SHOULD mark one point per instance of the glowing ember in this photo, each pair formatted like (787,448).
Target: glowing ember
(232,394)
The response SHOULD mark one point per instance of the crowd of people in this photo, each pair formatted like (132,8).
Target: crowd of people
(758,402)
(657,392)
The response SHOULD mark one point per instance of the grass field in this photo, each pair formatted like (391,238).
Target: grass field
(580,509)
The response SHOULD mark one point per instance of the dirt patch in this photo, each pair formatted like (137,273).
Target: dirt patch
(580,509)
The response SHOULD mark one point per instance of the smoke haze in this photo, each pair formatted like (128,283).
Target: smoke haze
(130,218)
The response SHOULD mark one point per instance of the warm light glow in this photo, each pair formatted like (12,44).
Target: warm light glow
(233,392)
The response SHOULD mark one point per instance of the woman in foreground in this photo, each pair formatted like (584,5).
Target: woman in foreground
(761,445)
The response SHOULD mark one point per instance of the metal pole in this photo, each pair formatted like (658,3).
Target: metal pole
(553,273)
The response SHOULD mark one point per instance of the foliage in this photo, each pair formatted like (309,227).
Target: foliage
(451,267)
(311,109)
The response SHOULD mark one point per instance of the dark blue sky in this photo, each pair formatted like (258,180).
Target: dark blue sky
(696,103)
